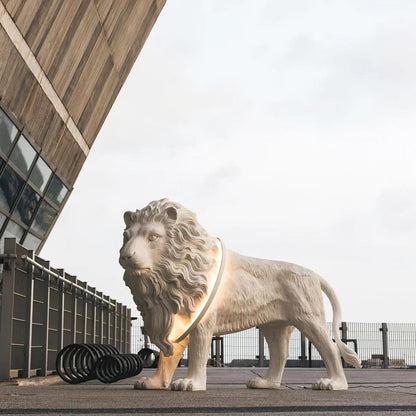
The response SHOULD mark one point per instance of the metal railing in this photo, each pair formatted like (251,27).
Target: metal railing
(44,309)
(379,345)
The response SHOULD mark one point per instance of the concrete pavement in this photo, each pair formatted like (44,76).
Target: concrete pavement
(371,392)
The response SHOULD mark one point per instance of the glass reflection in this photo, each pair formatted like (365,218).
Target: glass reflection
(13,230)
(2,219)
(10,186)
(44,218)
(56,191)
(23,155)
(8,133)
(40,174)
(31,242)
(27,205)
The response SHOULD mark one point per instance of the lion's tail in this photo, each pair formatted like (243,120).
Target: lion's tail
(349,355)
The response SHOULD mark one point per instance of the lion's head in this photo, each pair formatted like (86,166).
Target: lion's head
(165,255)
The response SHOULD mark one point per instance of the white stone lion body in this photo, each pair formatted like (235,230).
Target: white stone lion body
(276,296)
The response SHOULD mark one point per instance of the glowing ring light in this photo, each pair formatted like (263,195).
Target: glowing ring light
(211,294)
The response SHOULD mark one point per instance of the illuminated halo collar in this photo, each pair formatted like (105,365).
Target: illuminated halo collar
(211,295)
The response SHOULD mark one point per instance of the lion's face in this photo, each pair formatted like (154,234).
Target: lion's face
(165,254)
(143,246)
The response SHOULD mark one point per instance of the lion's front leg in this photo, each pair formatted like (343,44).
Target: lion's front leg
(164,373)
(199,344)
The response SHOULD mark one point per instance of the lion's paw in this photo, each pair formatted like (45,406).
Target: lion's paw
(329,384)
(262,383)
(187,384)
(149,383)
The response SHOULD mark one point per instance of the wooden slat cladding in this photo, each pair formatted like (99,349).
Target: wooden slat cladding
(41,25)
(23,13)
(107,82)
(80,35)
(98,60)
(16,80)
(69,155)
(38,115)
(126,25)
(54,40)
(103,7)
(13,6)
(86,49)
(6,49)
(146,25)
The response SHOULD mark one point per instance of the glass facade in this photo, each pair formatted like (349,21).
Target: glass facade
(31,193)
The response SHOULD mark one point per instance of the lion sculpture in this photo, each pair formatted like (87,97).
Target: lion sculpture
(170,262)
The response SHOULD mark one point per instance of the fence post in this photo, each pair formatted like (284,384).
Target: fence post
(127,333)
(119,311)
(7,306)
(344,338)
(108,318)
(344,331)
(113,322)
(123,329)
(261,348)
(100,319)
(309,353)
(61,314)
(94,315)
(29,317)
(84,312)
(302,350)
(385,345)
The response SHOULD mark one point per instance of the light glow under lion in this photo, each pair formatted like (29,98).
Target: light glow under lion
(182,325)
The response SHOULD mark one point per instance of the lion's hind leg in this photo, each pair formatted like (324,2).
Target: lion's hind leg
(277,336)
(318,334)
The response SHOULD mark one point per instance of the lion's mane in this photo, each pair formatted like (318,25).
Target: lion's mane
(178,282)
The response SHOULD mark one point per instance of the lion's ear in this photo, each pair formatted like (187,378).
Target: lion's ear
(172,213)
(128,218)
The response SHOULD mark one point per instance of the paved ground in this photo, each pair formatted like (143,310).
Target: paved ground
(372,392)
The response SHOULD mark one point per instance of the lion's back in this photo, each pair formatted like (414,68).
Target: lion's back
(276,282)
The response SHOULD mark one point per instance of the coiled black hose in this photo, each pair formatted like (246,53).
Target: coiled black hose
(111,368)
(76,363)
(149,357)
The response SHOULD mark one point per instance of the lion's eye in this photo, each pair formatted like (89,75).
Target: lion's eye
(153,237)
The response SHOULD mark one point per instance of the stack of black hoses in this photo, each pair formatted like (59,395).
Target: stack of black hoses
(77,363)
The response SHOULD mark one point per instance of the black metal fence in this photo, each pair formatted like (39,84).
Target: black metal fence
(379,345)
(43,309)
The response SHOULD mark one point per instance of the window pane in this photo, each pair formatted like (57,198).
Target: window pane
(31,242)
(40,174)
(23,155)
(43,218)
(13,230)
(10,186)
(56,191)
(8,132)
(27,205)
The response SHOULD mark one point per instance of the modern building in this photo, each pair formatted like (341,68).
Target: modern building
(62,64)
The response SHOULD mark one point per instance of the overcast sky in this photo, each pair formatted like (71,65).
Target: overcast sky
(288,127)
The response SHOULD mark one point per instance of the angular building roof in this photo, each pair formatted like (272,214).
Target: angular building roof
(62,64)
